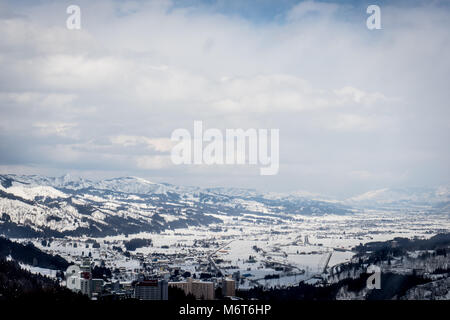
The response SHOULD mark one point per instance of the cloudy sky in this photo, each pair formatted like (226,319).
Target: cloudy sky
(357,109)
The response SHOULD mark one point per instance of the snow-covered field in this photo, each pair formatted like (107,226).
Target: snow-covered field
(293,251)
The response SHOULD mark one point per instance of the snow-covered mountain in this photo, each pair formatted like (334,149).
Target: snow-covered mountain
(35,205)
(436,198)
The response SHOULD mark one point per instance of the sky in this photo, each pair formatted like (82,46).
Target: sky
(356,109)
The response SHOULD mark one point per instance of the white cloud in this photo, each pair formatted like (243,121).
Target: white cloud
(110,94)
(55,128)
(157,144)
(353,122)
(153,162)
(358,96)
(305,8)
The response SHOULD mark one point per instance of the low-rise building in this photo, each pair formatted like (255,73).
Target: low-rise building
(203,290)
(154,289)
(228,287)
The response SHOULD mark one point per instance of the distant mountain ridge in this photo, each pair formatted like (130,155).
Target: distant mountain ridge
(436,198)
(32,205)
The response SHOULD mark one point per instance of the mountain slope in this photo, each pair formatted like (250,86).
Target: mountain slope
(436,199)
(33,205)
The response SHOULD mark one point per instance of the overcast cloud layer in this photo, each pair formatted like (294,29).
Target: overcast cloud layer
(357,109)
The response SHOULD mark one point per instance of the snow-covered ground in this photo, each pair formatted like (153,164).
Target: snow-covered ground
(37,270)
(255,249)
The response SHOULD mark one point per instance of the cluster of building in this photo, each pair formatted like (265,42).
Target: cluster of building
(152,289)
(204,290)
(79,279)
